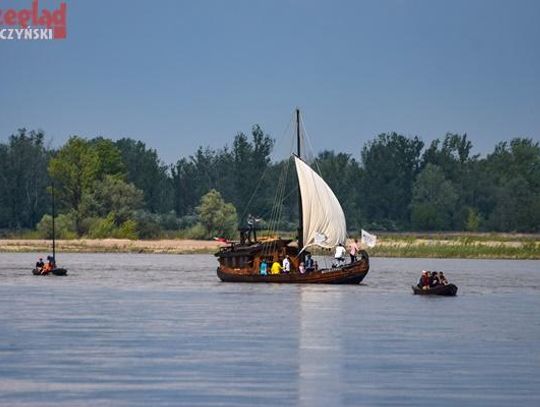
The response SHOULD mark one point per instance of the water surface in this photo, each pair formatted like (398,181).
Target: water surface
(162,330)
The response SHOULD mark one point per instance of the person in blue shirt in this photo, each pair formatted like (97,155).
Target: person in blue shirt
(263,268)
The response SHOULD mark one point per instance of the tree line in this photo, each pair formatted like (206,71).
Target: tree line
(107,188)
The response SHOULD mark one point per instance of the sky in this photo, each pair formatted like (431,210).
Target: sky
(181,74)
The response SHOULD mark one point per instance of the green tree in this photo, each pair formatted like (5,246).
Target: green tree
(434,200)
(112,197)
(194,176)
(77,166)
(240,174)
(391,163)
(453,157)
(148,173)
(74,169)
(113,209)
(251,161)
(450,155)
(514,171)
(282,202)
(185,188)
(520,157)
(517,208)
(107,227)
(64,227)
(343,174)
(5,210)
(216,216)
(473,220)
(23,180)
(110,160)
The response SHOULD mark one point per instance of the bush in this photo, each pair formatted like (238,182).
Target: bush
(198,231)
(148,225)
(127,230)
(169,221)
(473,220)
(64,227)
(101,228)
(216,216)
(188,221)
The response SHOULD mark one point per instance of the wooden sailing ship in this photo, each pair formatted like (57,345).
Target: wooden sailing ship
(321,224)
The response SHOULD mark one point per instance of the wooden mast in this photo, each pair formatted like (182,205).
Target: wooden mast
(300,214)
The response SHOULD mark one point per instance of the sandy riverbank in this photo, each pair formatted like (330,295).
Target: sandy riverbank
(173,246)
(481,246)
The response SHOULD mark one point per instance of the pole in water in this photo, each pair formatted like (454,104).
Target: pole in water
(53,231)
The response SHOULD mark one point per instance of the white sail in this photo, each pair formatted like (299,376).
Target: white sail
(324,220)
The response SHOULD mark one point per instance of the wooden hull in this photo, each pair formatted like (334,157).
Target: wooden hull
(56,272)
(349,274)
(449,290)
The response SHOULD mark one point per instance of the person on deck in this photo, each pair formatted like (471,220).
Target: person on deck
(421,279)
(309,265)
(250,222)
(286,264)
(276,268)
(263,268)
(442,278)
(301,268)
(340,254)
(40,265)
(425,280)
(353,250)
(49,266)
(434,279)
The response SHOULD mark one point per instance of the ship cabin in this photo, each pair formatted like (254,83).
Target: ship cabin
(249,255)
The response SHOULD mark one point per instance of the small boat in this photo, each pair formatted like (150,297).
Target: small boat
(57,271)
(448,290)
(321,223)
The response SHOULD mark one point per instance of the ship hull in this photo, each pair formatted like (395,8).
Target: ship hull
(56,272)
(349,274)
(449,290)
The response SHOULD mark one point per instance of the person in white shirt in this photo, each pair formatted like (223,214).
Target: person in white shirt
(286,266)
(340,254)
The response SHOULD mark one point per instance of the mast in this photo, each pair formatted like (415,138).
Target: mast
(53,231)
(300,214)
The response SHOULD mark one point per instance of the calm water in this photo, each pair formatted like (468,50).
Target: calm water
(160,330)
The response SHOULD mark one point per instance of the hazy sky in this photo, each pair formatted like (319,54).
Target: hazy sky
(178,74)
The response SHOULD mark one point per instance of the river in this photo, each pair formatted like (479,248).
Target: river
(162,330)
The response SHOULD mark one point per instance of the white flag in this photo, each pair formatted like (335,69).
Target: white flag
(368,239)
